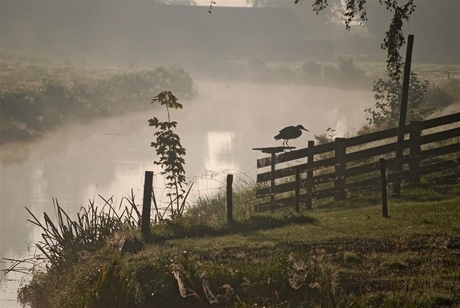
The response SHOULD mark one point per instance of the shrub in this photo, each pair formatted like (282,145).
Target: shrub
(443,94)
(388,95)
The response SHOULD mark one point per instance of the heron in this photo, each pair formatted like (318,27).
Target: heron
(290,132)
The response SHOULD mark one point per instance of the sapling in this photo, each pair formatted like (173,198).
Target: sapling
(171,155)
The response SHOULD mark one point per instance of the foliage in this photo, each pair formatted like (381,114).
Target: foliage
(27,111)
(113,286)
(443,94)
(388,94)
(62,241)
(312,71)
(394,37)
(171,153)
(345,74)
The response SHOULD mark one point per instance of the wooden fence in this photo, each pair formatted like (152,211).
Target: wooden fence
(431,153)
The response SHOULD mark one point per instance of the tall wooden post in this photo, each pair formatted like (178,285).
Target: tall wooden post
(297,189)
(414,165)
(339,184)
(310,158)
(229,198)
(383,185)
(402,116)
(146,207)
(272,180)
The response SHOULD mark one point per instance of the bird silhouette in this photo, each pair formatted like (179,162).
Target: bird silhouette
(290,132)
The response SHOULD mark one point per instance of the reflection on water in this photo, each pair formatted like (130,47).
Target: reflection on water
(109,157)
(219,146)
(218,163)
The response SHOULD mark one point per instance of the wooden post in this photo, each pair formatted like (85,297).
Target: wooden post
(414,165)
(297,189)
(229,198)
(310,158)
(339,183)
(146,207)
(402,116)
(272,180)
(383,185)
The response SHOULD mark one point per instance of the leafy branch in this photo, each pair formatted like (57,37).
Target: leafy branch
(394,37)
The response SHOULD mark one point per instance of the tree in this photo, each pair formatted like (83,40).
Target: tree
(388,94)
(355,10)
(171,153)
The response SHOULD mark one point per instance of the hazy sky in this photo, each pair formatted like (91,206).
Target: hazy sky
(223,2)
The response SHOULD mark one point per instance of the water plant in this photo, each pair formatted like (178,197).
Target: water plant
(63,241)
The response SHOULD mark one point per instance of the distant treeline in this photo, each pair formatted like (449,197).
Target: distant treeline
(27,112)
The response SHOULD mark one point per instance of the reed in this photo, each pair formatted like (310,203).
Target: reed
(64,239)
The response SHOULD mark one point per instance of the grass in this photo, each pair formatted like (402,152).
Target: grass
(343,255)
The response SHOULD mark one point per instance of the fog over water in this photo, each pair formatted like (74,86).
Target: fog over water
(79,161)
(109,157)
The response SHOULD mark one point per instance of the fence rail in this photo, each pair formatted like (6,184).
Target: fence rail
(333,169)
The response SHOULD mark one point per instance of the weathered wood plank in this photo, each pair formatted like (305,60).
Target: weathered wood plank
(448,149)
(448,119)
(372,137)
(440,136)
(378,150)
(439,166)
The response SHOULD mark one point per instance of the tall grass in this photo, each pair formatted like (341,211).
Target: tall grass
(343,256)
(65,239)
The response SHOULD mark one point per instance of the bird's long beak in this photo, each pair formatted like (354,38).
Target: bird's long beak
(305,129)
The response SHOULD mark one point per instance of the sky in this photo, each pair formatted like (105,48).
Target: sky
(222,3)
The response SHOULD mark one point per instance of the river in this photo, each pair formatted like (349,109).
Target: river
(109,157)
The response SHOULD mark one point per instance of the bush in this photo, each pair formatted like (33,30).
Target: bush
(31,111)
(388,96)
(345,74)
(443,95)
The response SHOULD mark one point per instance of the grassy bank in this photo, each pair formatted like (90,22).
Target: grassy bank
(338,255)
(38,95)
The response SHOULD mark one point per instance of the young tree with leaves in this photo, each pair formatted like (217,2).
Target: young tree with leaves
(171,153)
(388,95)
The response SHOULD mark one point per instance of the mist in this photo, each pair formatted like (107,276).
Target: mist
(256,70)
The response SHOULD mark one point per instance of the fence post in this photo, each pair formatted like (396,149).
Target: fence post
(272,180)
(146,207)
(297,189)
(339,183)
(229,198)
(414,165)
(402,116)
(310,158)
(383,185)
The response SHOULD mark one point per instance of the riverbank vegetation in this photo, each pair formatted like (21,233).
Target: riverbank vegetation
(38,95)
(339,255)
